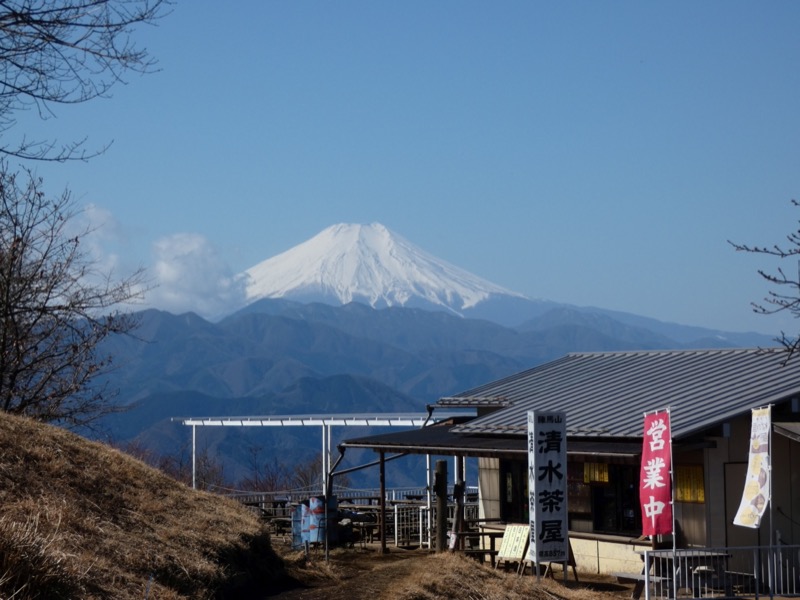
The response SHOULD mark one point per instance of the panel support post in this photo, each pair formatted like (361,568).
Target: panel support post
(440,488)
(194,457)
(382,528)
(324,460)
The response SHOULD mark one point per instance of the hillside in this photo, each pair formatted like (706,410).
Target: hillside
(82,520)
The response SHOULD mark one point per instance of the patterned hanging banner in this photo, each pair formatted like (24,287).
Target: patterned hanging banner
(755,496)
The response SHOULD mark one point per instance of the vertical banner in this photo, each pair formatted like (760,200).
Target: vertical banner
(655,491)
(547,486)
(755,496)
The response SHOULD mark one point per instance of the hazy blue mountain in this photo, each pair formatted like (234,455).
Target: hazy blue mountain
(284,357)
(397,330)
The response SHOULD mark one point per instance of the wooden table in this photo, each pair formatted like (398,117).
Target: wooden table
(487,543)
(366,530)
(282,524)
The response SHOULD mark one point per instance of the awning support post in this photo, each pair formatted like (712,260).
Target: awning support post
(382,527)
(324,465)
(194,457)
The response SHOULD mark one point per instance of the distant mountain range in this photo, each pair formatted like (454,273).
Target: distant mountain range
(397,330)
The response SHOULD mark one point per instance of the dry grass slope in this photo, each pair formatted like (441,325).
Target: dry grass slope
(406,574)
(81,520)
(453,576)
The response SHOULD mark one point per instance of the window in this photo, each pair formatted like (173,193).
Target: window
(595,473)
(615,505)
(514,497)
(689,486)
(603,497)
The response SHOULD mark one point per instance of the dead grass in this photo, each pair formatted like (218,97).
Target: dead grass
(82,520)
(455,576)
(416,574)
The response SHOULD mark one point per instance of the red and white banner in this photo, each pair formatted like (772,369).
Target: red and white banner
(655,490)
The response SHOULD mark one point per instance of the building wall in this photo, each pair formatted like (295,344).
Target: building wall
(605,555)
(489,488)
(785,507)
(793,499)
(707,524)
(715,483)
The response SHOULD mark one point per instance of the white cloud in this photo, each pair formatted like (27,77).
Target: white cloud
(103,237)
(190,275)
(104,246)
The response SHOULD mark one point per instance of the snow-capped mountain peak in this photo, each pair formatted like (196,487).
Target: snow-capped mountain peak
(370,264)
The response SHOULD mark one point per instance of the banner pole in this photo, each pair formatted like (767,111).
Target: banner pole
(771,453)
(672,502)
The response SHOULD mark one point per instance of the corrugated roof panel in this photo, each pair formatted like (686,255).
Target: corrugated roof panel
(606,394)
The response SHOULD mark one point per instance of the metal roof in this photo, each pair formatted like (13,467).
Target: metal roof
(439,439)
(372,420)
(472,402)
(605,394)
(790,430)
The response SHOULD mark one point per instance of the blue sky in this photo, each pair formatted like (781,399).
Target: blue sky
(591,153)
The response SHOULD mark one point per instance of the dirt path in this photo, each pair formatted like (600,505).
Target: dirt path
(358,574)
(354,574)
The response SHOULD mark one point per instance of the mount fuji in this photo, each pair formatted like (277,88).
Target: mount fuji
(369,264)
(375,266)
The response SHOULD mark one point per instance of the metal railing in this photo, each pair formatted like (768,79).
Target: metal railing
(414,524)
(273,502)
(752,571)
(409,520)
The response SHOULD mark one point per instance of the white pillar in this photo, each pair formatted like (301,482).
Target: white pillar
(194,459)
(324,460)
(429,504)
(328,459)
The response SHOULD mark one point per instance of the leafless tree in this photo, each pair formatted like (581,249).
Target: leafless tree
(308,474)
(265,476)
(65,52)
(55,308)
(209,471)
(786,296)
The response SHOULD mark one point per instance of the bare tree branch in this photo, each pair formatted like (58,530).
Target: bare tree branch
(65,52)
(54,309)
(786,298)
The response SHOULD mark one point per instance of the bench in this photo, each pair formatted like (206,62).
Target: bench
(741,582)
(638,579)
(631,577)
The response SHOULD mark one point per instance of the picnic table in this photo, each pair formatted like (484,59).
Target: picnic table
(366,531)
(479,543)
(698,569)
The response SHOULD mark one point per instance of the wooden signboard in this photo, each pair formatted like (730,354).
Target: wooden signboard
(514,544)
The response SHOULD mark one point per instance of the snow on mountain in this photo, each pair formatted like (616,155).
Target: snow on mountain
(370,264)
